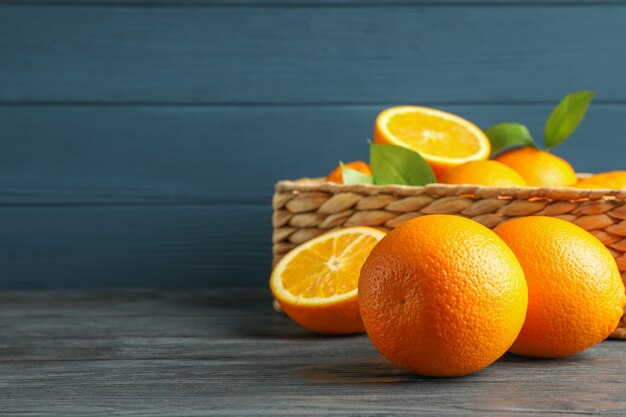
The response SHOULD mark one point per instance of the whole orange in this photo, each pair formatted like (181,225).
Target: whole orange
(442,295)
(336,174)
(615,180)
(490,173)
(539,168)
(575,292)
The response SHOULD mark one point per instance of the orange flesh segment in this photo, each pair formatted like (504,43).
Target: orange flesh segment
(433,135)
(329,267)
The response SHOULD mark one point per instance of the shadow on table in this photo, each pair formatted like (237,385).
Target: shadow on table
(378,370)
(358,372)
(372,371)
(280,327)
(511,358)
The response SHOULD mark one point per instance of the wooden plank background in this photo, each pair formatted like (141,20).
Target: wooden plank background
(140,140)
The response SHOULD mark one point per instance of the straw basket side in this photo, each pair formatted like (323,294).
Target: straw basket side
(306,208)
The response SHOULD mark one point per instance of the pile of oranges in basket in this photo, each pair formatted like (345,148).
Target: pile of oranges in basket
(442,295)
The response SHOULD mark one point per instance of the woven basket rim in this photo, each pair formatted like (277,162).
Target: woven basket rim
(307,207)
(448,190)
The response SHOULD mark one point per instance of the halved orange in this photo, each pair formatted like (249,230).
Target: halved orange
(443,139)
(316,283)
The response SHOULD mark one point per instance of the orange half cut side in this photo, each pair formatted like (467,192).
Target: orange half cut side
(316,283)
(443,139)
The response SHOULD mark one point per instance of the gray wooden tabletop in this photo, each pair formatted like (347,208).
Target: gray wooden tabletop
(226,352)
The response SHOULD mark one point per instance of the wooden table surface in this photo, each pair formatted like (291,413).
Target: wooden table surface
(226,352)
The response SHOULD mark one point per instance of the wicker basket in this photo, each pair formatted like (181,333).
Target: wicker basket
(306,208)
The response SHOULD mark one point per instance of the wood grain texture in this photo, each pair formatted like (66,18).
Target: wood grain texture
(140,139)
(219,155)
(227,353)
(135,246)
(310,54)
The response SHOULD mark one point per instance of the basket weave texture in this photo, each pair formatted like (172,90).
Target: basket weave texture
(308,207)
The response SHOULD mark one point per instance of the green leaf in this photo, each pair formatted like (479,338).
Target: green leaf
(352,176)
(397,165)
(506,135)
(566,117)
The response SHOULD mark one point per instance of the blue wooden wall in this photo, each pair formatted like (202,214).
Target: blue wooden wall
(140,139)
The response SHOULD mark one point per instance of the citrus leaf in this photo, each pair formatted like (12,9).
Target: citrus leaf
(352,176)
(397,165)
(507,135)
(566,117)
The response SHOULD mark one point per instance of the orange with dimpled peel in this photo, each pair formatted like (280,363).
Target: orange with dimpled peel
(539,168)
(488,173)
(614,180)
(575,292)
(442,295)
